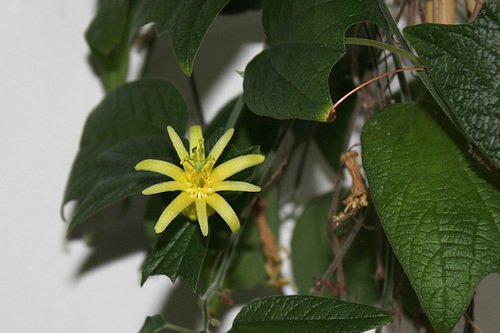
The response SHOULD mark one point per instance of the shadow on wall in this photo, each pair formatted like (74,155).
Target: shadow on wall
(114,233)
(220,47)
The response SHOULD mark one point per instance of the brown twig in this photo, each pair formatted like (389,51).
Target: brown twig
(269,247)
(477,6)
(340,255)
(474,326)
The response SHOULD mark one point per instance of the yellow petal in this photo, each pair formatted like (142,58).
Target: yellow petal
(201,212)
(177,142)
(173,209)
(221,144)
(195,134)
(235,186)
(225,211)
(229,168)
(165,187)
(218,149)
(165,168)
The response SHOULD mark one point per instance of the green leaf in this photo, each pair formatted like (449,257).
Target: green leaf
(331,137)
(107,37)
(463,62)
(179,251)
(105,30)
(157,323)
(307,314)
(438,206)
(186,21)
(117,177)
(250,129)
(305,39)
(309,240)
(153,324)
(132,111)
(155,206)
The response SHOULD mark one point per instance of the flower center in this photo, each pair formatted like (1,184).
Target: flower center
(199,184)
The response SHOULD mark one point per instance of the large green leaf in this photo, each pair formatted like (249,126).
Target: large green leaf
(305,39)
(117,177)
(186,21)
(107,37)
(307,314)
(179,251)
(439,207)
(132,111)
(463,62)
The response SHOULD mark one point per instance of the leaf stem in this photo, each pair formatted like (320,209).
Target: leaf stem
(380,45)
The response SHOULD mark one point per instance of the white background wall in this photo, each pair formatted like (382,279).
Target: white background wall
(47,89)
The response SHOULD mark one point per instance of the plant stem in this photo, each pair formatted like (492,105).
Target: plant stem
(429,84)
(197,101)
(380,45)
(219,278)
(403,83)
(340,255)
(235,113)
(228,254)
(445,11)
(177,328)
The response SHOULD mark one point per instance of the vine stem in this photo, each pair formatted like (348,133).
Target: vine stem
(332,109)
(369,42)
(216,285)
(219,278)
(340,254)
(197,100)
(178,328)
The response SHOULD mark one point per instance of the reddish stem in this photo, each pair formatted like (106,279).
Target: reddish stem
(332,109)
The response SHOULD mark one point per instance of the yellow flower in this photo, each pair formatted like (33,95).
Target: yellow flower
(199,181)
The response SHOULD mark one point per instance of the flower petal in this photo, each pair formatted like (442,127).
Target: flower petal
(225,211)
(177,142)
(201,212)
(229,185)
(165,187)
(173,209)
(165,168)
(218,149)
(229,168)
(221,144)
(195,134)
